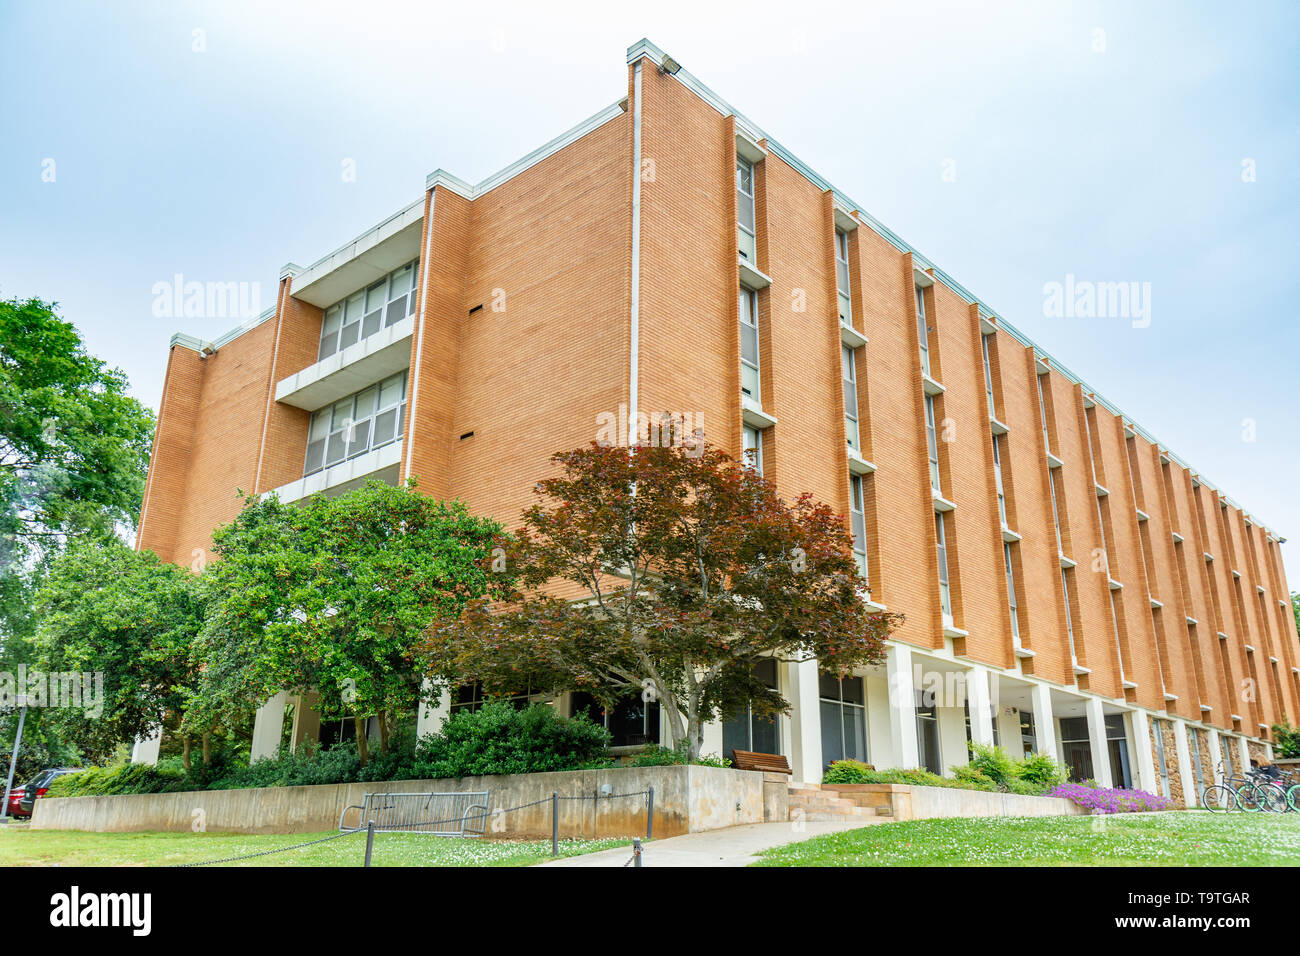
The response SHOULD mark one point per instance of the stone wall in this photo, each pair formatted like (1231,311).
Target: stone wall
(686,799)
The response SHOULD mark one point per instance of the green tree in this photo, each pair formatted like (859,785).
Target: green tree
(74,451)
(126,615)
(668,572)
(1295,608)
(74,447)
(332,595)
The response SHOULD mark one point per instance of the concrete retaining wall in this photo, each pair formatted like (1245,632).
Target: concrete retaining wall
(687,799)
(924,803)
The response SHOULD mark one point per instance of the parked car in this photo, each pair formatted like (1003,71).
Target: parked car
(15,795)
(37,787)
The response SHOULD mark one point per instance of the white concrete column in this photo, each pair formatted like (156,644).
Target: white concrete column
(1097,741)
(902,705)
(713,739)
(1243,756)
(145,750)
(1044,722)
(981,708)
(1146,765)
(306,720)
(805,722)
(1191,797)
(268,725)
(1216,755)
(431,719)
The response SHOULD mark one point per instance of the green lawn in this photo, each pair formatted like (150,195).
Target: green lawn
(22,846)
(1184,838)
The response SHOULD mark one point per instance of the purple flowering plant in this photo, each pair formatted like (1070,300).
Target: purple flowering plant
(1109,799)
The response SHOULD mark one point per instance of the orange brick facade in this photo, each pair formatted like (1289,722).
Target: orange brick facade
(523,337)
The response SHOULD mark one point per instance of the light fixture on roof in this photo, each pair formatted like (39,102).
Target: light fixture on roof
(669,66)
(206,349)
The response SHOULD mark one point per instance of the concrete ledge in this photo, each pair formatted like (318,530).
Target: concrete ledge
(687,800)
(906,802)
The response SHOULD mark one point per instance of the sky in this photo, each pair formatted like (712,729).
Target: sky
(1013,144)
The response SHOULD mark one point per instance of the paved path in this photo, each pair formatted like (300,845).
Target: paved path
(734,846)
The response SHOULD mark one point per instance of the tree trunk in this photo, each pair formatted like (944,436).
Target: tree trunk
(363,745)
(383,731)
(207,748)
(185,751)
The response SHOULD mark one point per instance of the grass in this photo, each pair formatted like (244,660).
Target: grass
(1182,838)
(22,846)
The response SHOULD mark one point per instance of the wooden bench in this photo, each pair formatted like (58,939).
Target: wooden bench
(769,763)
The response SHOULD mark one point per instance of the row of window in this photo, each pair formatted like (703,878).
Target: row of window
(362,314)
(352,426)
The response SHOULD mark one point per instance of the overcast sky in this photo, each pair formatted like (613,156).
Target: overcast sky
(1012,144)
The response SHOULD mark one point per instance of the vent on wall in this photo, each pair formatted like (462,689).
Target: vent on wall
(477,308)
(466,435)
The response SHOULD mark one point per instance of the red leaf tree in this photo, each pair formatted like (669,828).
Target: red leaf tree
(668,572)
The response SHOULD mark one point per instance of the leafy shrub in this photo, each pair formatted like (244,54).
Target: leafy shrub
(125,778)
(497,738)
(1286,740)
(847,772)
(992,763)
(1041,771)
(672,757)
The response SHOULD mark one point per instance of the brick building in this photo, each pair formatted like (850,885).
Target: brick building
(1070,585)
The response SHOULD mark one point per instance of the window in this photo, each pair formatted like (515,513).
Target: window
(752,449)
(1069,619)
(945,599)
(1076,751)
(746,232)
(744,731)
(1056,514)
(997,480)
(932,443)
(970,734)
(858,518)
(1121,773)
(749,344)
(849,362)
(844,718)
(988,377)
(927,735)
(1011,593)
(1042,414)
(632,722)
(370,419)
(922,331)
(1028,732)
(470,697)
(842,276)
(364,313)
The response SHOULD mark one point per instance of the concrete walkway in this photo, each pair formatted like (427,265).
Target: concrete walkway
(733,846)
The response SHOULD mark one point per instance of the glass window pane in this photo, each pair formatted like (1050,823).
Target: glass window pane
(342,413)
(354,307)
(385,427)
(351,335)
(315,456)
(377,295)
(828,685)
(396,311)
(337,448)
(360,438)
(366,402)
(832,739)
(853,690)
(370,325)
(320,425)
(390,391)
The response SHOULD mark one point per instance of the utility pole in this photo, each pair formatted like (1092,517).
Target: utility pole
(13,758)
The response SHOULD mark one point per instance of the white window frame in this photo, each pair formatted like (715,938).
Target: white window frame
(932,444)
(1011,592)
(746,237)
(843,277)
(858,522)
(941,555)
(922,331)
(748,309)
(849,364)
(334,424)
(755,461)
(375,301)
(988,376)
